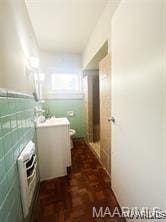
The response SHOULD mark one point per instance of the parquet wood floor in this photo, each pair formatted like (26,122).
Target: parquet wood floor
(71,198)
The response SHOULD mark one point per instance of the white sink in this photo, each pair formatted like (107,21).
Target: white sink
(53,122)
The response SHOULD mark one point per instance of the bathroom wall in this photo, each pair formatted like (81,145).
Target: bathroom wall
(64,62)
(59,62)
(101,33)
(59,108)
(16,129)
(17,44)
(139,103)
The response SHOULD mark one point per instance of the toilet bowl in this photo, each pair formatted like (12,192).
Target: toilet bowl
(72,133)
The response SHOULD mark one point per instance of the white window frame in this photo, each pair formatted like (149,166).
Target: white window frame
(70,94)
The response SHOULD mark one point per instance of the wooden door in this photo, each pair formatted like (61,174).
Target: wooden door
(105,111)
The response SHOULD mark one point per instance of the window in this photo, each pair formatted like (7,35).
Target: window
(65,83)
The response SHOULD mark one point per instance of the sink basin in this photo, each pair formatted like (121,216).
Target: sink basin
(54,122)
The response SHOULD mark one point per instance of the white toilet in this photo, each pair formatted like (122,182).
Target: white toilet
(72,133)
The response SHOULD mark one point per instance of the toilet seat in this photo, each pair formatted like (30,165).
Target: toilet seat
(72,132)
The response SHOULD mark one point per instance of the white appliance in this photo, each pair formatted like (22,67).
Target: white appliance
(53,140)
(27,166)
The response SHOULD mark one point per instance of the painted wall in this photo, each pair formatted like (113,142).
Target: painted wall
(59,63)
(64,62)
(139,101)
(101,33)
(59,108)
(17,43)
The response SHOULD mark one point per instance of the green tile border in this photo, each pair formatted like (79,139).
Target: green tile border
(3,92)
(18,95)
(14,94)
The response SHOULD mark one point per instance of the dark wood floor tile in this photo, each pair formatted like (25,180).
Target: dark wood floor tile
(72,198)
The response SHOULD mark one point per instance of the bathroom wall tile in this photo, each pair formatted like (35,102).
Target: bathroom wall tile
(1,150)
(7,143)
(9,159)
(16,129)
(3,213)
(11,214)
(14,136)
(26,119)
(4,110)
(3,190)
(59,108)
(19,125)
(2,169)
(22,104)
(11,105)
(13,121)
(17,104)
(5,123)
(0,128)
(20,132)
(16,151)
(19,119)
(11,175)
(21,144)
(9,199)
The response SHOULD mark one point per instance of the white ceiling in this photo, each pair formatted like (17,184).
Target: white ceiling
(64,25)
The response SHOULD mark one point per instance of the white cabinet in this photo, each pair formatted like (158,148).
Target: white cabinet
(53,141)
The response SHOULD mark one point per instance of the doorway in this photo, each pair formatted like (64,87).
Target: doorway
(95,143)
(97,87)
(92,109)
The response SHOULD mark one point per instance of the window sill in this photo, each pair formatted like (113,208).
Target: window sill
(65,96)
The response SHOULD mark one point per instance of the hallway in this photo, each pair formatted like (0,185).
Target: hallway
(71,198)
